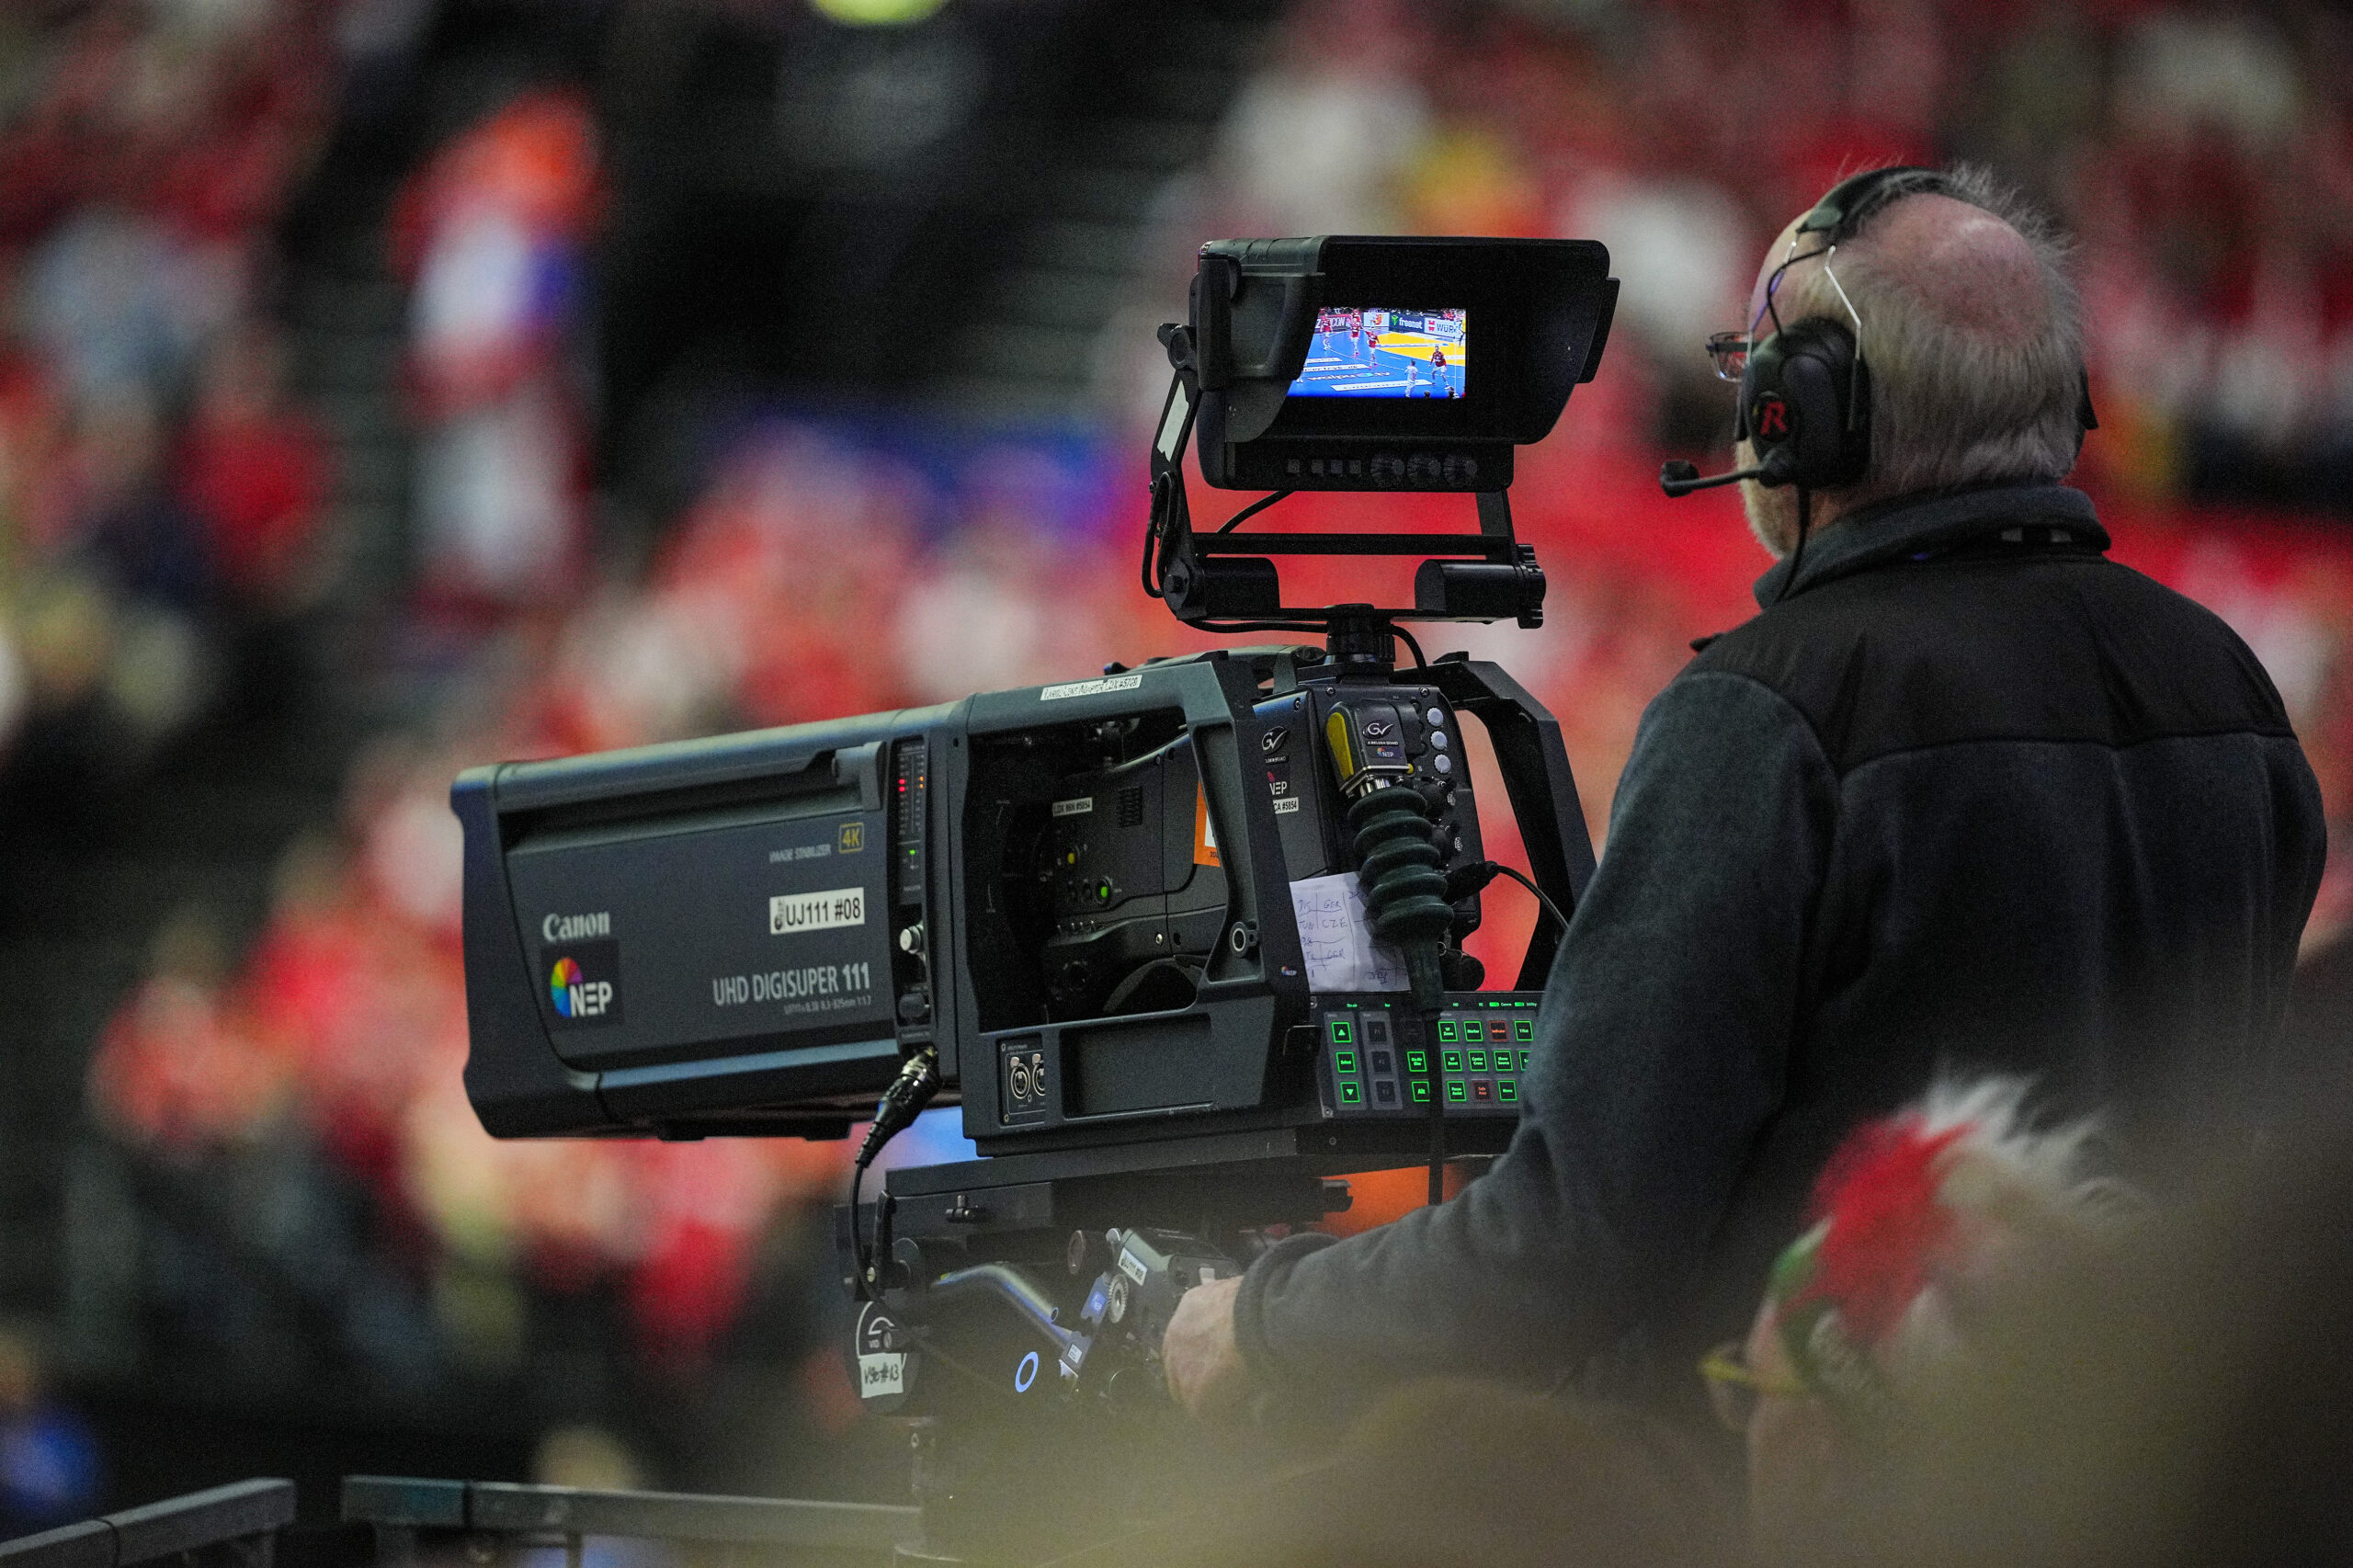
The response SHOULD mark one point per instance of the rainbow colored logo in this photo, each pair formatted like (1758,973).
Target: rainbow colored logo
(561,986)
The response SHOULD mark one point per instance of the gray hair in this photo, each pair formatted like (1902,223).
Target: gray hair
(1952,403)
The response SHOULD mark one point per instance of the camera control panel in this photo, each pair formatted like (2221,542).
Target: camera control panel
(1376,1060)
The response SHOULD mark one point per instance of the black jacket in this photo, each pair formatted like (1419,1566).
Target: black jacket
(1971,796)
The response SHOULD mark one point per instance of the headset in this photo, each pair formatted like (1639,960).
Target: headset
(1805,397)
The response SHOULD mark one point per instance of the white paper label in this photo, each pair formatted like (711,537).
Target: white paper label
(881,1376)
(1077,808)
(1337,938)
(791,913)
(1128,682)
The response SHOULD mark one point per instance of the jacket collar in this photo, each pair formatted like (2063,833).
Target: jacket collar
(1908,527)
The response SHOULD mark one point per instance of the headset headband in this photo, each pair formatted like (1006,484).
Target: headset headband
(1846,207)
(1852,202)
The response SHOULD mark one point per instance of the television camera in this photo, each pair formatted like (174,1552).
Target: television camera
(1184,940)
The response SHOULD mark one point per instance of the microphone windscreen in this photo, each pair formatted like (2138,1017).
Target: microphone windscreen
(1677,471)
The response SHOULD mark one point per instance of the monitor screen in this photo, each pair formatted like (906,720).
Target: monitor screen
(1370,351)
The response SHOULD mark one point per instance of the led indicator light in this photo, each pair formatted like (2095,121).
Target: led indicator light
(1351,1093)
(1343,1032)
(1346,1060)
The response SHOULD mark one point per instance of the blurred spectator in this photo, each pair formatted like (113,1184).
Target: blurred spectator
(1924,1222)
(1443,1473)
(492,231)
(49,1459)
(2178,1399)
(254,473)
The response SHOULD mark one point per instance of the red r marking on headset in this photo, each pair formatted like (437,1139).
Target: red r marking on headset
(1772,417)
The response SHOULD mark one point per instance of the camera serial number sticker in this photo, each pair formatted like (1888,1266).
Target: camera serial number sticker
(793,913)
(1129,682)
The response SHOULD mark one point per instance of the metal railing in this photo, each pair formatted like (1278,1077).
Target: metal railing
(416,1522)
(228,1527)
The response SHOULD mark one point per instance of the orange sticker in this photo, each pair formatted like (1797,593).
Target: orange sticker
(1204,835)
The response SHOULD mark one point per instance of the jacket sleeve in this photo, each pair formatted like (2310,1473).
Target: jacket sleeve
(1660,1053)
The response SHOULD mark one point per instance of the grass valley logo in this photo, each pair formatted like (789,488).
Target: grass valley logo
(584,983)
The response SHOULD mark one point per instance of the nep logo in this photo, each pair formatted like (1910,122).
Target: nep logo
(581,982)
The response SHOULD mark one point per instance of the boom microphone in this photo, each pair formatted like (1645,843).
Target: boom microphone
(1679,478)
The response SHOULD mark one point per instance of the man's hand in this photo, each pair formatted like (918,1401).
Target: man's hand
(1204,1364)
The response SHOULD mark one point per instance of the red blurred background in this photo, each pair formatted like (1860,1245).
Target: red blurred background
(391,386)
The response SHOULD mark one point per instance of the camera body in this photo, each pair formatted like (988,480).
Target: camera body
(1106,904)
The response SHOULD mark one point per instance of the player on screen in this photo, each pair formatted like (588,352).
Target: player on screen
(1438,369)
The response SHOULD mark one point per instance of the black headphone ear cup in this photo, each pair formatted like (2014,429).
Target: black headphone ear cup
(1818,424)
(1805,395)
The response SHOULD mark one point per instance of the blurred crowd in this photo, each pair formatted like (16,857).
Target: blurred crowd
(798,587)
(157,487)
(2200,154)
(160,496)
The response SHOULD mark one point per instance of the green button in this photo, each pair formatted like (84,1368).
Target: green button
(1417,1061)
(1455,1090)
(1451,1060)
(1422,1090)
(1346,1060)
(1350,1092)
(1507,1089)
(1478,1061)
(1523,1029)
(1343,1032)
(1445,1030)
(1523,1062)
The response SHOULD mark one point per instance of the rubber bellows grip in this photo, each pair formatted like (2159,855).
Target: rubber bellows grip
(1405,889)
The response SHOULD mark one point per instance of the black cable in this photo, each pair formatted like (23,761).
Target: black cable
(1550,907)
(1797,556)
(918,1080)
(1252,510)
(857,1243)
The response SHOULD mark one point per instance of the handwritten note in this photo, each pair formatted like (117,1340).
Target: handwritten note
(1338,937)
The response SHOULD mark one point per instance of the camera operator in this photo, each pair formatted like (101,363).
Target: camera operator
(1965,795)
